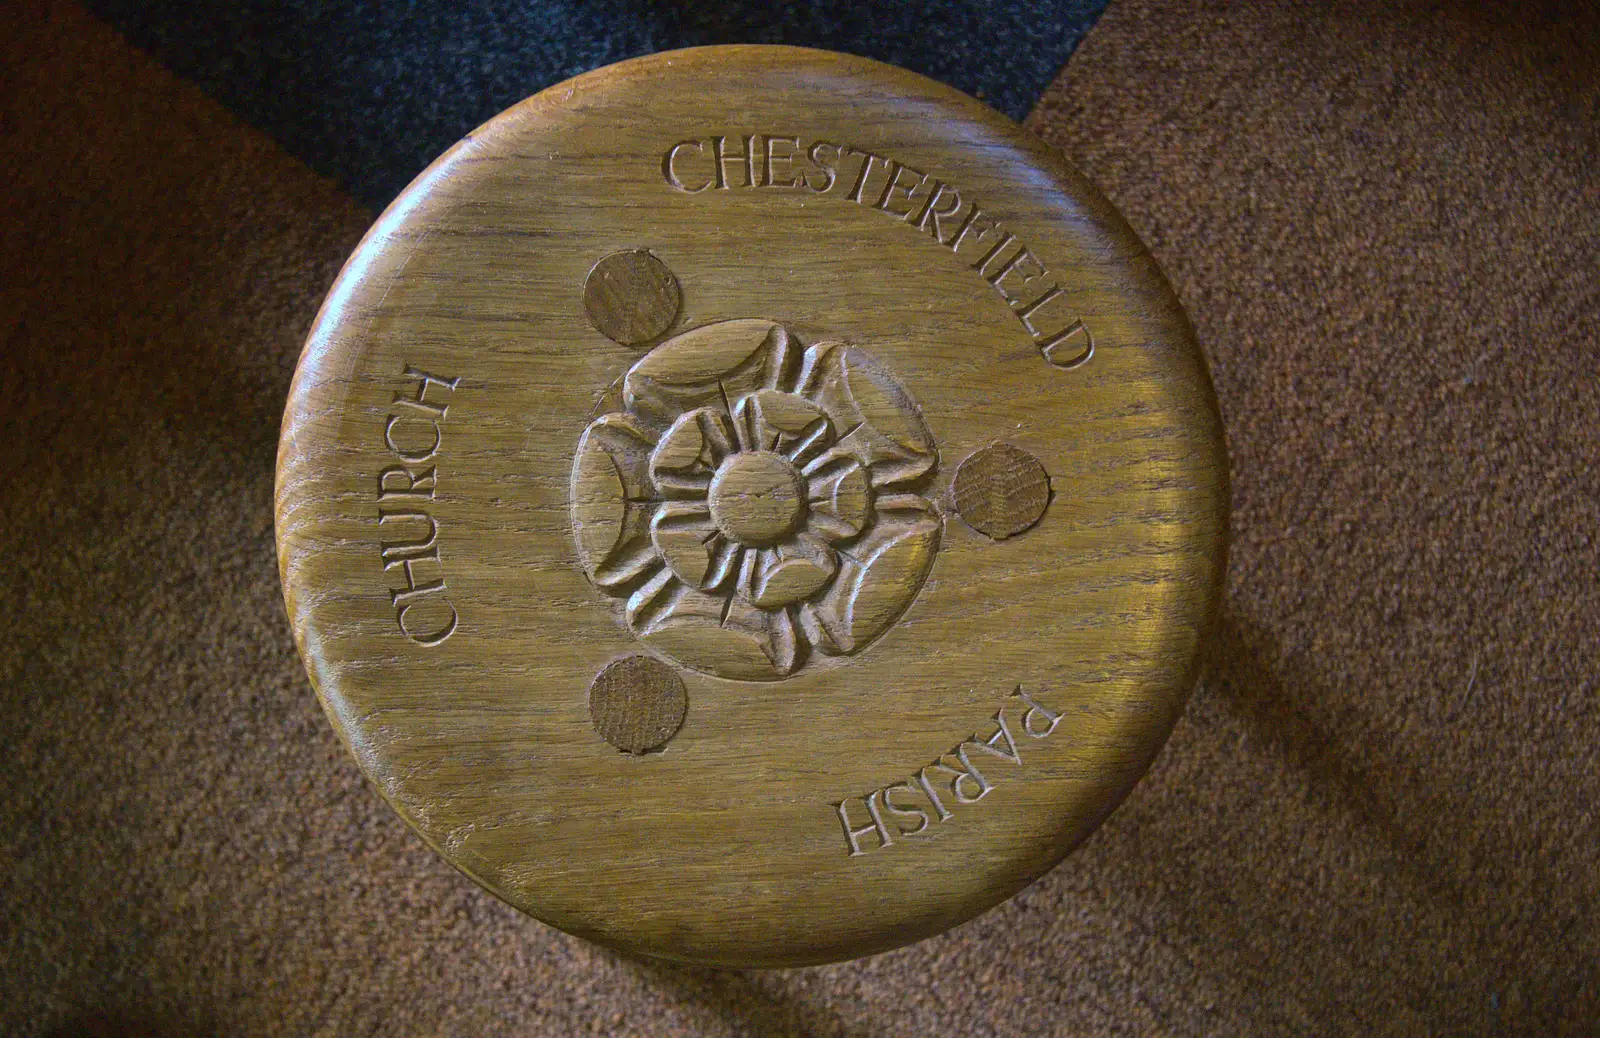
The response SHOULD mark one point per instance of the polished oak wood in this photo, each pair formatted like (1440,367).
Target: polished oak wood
(752,506)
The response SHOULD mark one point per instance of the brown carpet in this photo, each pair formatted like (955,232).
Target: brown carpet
(1378,817)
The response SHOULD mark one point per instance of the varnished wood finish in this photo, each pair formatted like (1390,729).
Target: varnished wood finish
(503,472)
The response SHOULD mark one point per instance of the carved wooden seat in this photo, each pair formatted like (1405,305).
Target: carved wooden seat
(752,506)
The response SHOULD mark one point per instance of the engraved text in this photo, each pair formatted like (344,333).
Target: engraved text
(931,794)
(930,205)
(409,545)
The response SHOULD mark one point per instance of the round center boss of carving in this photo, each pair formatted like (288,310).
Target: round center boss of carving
(756,497)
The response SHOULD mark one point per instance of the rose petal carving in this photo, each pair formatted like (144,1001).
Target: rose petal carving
(840,497)
(688,540)
(884,405)
(689,452)
(784,420)
(721,636)
(883,427)
(787,574)
(610,477)
(704,583)
(706,364)
(599,506)
(869,593)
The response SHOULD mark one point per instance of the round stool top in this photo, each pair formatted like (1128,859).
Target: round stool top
(752,505)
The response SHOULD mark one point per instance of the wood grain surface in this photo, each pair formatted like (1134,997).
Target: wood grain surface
(677,362)
(1000,491)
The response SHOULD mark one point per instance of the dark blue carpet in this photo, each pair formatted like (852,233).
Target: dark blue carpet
(369,93)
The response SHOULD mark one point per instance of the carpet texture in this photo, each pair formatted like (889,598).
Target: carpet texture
(369,94)
(1378,816)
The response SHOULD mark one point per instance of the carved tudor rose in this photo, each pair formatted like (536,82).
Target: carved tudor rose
(756,502)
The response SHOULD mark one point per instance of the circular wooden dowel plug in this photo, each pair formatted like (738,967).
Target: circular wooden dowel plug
(631,297)
(1001,491)
(637,704)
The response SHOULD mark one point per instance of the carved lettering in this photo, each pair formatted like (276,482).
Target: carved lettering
(426,633)
(827,167)
(393,551)
(747,158)
(866,171)
(1017,264)
(1025,315)
(1002,732)
(931,211)
(414,588)
(904,812)
(425,382)
(670,171)
(925,202)
(966,773)
(895,186)
(1035,710)
(769,159)
(933,798)
(966,785)
(401,481)
(414,454)
(422,608)
(422,593)
(874,827)
(1082,346)
(983,264)
(974,218)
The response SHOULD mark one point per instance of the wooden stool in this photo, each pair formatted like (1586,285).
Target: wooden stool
(752,506)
